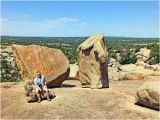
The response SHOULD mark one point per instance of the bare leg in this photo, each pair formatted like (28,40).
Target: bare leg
(38,95)
(47,92)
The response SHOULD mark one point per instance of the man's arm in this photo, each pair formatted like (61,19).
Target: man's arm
(45,83)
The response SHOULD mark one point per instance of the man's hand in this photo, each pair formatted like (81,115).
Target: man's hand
(39,89)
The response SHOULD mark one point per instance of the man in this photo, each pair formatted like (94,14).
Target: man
(41,86)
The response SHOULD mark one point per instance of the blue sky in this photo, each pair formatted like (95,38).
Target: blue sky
(130,19)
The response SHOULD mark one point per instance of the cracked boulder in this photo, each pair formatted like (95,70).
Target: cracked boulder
(92,62)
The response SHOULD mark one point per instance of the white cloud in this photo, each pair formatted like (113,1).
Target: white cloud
(43,27)
(82,24)
(56,22)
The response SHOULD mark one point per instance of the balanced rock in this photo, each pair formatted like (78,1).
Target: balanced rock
(149,94)
(49,61)
(92,62)
(143,54)
(30,92)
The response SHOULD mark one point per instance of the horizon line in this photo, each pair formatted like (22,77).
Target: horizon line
(78,36)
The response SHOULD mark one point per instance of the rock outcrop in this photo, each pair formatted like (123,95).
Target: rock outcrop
(143,54)
(30,92)
(49,61)
(131,76)
(149,94)
(116,74)
(113,74)
(133,71)
(92,62)
(143,58)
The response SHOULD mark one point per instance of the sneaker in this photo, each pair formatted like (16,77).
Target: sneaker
(48,99)
(39,100)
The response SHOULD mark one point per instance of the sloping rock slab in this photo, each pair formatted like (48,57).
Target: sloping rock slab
(49,61)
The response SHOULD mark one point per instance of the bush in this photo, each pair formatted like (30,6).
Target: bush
(128,58)
(9,73)
(154,53)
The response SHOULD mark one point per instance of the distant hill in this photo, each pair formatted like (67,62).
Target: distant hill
(73,38)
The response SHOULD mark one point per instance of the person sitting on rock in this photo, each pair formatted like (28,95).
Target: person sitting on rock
(41,86)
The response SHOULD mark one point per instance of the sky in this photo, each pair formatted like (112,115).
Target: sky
(74,19)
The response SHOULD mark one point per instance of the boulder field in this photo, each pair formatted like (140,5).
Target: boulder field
(91,69)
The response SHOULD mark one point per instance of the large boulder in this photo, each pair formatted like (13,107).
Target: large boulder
(51,62)
(92,61)
(149,94)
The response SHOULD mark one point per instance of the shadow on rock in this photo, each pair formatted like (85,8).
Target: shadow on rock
(141,105)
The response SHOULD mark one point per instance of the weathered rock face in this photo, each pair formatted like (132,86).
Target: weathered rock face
(30,92)
(51,62)
(92,62)
(149,94)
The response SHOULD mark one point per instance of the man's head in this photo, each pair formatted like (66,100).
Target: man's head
(38,74)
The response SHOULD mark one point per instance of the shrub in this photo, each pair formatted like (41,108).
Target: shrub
(128,58)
